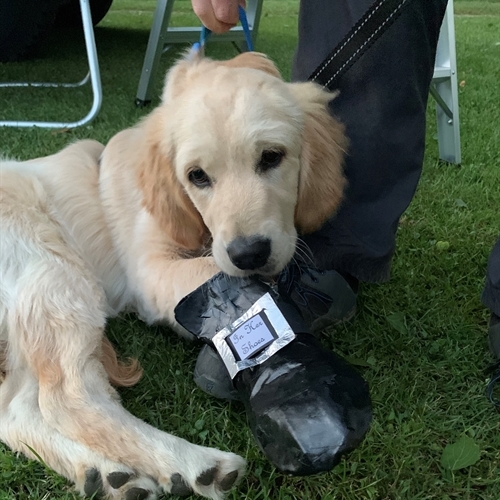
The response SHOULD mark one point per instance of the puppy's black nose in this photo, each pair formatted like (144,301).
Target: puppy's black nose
(249,253)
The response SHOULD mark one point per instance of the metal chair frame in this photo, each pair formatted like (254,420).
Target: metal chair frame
(444,89)
(93,75)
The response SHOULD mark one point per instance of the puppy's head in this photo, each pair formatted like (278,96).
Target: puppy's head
(249,158)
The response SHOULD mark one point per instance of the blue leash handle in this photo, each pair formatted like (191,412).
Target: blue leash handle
(246,28)
(205,32)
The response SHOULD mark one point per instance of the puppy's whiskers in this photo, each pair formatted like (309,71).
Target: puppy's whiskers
(207,252)
(303,253)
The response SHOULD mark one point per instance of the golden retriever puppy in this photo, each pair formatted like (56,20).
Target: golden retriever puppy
(234,161)
(220,176)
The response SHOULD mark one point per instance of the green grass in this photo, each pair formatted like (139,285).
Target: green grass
(422,335)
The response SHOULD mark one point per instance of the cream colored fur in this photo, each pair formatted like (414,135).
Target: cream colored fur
(89,232)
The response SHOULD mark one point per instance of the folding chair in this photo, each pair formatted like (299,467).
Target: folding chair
(444,89)
(162,37)
(93,75)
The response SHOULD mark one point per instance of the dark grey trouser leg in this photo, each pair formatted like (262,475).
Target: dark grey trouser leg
(491,292)
(382,102)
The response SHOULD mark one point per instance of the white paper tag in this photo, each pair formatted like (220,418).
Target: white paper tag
(251,337)
(254,337)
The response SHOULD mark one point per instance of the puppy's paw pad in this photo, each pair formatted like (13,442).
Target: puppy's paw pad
(118,478)
(213,475)
(207,477)
(93,483)
(137,494)
(227,482)
(179,487)
(214,481)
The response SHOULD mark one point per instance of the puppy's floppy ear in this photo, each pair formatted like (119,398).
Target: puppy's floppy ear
(254,60)
(322,182)
(164,197)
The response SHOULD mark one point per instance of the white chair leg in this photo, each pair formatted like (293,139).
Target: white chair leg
(94,75)
(444,89)
(154,51)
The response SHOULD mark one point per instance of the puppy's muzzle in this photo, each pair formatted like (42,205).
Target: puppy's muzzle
(249,253)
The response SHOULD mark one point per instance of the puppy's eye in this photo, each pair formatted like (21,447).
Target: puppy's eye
(199,178)
(270,158)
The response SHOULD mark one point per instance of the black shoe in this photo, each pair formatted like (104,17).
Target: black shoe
(211,376)
(494,335)
(494,343)
(324,298)
(306,406)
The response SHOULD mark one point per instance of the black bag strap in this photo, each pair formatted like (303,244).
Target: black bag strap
(362,36)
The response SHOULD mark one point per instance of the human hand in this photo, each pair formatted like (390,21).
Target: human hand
(218,16)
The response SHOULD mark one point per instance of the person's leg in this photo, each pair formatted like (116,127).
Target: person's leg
(491,298)
(382,102)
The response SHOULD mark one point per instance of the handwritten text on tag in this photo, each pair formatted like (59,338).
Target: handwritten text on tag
(252,336)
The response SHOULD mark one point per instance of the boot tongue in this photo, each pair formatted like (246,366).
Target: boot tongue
(223,299)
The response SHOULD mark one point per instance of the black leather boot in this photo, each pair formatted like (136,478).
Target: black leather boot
(324,298)
(306,406)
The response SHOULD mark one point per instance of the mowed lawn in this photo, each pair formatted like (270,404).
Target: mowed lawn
(420,340)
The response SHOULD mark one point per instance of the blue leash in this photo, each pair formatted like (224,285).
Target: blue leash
(205,32)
